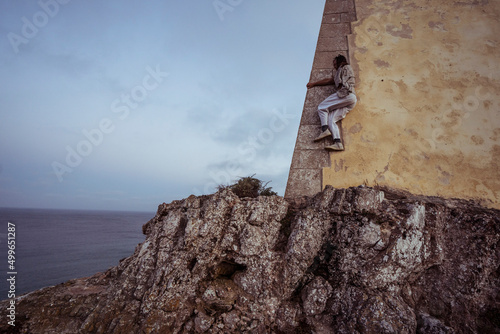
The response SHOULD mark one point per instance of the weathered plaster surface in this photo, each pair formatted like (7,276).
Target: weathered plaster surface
(427,118)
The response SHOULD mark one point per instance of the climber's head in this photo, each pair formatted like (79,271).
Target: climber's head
(339,61)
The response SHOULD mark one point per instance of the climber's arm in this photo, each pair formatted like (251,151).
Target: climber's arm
(324,82)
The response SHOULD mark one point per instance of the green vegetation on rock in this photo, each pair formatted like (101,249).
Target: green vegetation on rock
(250,187)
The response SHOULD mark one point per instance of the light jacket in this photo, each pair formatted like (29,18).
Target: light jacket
(345,75)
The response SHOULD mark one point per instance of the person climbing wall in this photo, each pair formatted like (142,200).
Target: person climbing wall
(336,106)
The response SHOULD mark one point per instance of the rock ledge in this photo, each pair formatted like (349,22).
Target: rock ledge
(357,260)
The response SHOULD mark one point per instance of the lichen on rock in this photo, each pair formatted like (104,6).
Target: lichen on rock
(357,260)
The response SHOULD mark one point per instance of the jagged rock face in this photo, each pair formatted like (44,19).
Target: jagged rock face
(355,260)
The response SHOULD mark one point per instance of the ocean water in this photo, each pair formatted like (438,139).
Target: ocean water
(53,246)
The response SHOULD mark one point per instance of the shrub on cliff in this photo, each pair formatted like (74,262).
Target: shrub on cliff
(250,187)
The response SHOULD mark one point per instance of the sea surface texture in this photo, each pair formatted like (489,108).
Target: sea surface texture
(53,246)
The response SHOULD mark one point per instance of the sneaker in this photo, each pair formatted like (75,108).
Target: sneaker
(323,134)
(337,146)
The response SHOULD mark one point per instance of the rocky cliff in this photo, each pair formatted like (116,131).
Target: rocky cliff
(357,260)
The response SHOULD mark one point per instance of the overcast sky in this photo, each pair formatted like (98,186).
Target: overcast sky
(124,105)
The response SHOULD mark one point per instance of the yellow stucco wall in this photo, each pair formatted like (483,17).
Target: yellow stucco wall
(428,83)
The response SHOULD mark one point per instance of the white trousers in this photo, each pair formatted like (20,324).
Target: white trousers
(333,109)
